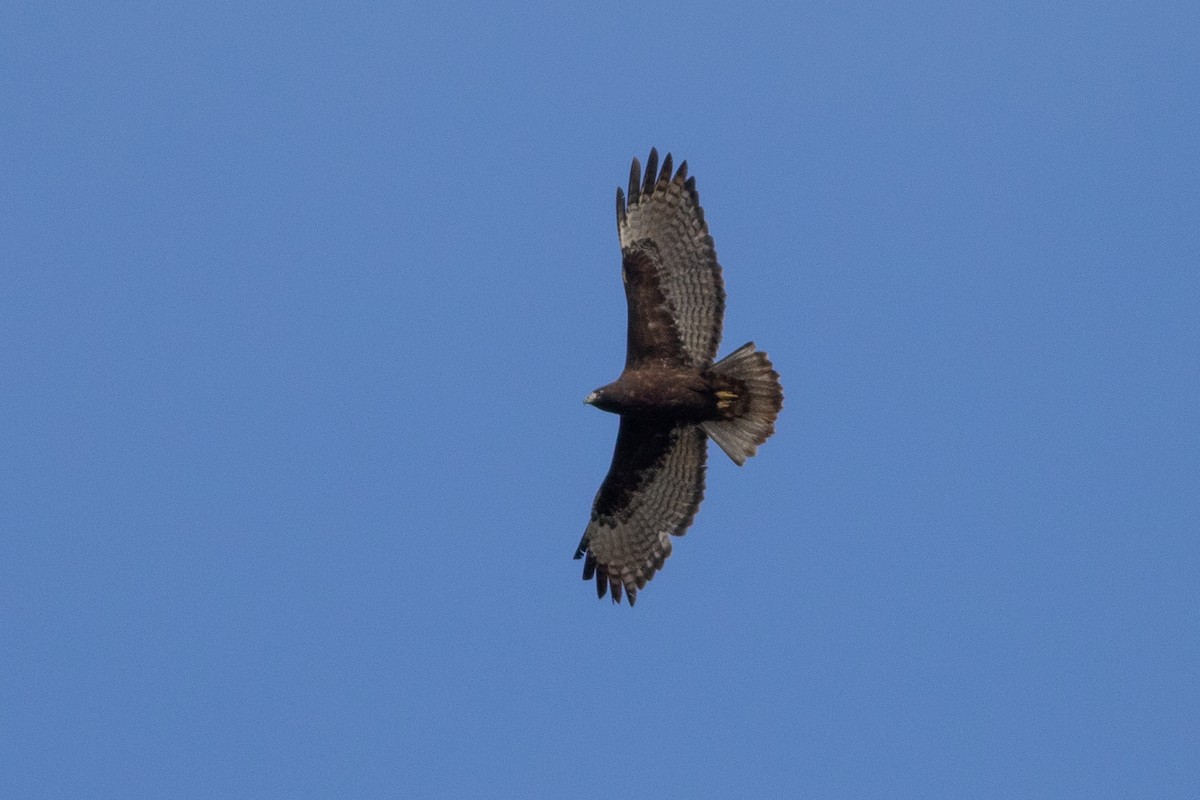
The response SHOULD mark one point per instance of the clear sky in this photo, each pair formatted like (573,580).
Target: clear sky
(298,306)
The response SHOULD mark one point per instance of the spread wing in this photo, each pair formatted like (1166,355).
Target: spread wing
(651,493)
(672,279)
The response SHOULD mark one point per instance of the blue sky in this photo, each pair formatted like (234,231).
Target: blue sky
(299,305)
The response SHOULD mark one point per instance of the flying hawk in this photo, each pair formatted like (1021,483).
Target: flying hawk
(671,396)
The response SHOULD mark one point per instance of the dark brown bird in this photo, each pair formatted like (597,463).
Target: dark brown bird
(671,396)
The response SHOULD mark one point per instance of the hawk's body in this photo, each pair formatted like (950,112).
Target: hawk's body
(671,395)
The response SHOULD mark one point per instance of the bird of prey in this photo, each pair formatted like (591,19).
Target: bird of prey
(671,396)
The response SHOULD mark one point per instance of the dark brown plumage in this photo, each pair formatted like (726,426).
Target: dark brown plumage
(671,396)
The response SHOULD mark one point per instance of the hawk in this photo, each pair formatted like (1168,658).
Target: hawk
(671,396)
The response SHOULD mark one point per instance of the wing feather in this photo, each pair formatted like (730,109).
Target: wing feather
(652,336)
(665,212)
(652,492)
(651,172)
(635,181)
(665,175)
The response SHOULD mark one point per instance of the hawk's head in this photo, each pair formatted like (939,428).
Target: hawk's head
(604,399)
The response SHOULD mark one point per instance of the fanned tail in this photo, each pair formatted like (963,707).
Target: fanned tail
(754,422)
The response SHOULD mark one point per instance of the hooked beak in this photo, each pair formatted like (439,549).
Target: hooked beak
(592,398)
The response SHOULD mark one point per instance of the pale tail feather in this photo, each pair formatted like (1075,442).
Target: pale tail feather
(740,437)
